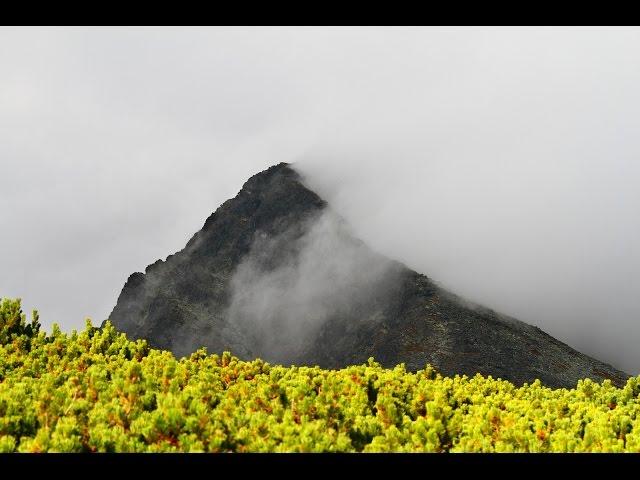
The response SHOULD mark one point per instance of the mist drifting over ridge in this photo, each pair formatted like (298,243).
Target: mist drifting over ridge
(500,162)
(289,286)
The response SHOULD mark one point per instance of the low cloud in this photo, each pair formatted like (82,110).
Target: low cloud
(290,285)
(501,162)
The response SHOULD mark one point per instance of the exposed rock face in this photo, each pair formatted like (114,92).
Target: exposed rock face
(274,273)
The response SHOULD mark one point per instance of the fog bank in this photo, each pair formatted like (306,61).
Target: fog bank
(501,162)
(289,286)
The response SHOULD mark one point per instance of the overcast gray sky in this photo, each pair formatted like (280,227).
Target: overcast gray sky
(503,163)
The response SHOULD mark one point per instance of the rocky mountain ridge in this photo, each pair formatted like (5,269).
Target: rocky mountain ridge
(275,273)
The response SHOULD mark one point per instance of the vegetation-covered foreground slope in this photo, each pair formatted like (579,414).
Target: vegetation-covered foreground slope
(96,391)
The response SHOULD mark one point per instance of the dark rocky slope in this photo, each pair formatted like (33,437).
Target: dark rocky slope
(184,303)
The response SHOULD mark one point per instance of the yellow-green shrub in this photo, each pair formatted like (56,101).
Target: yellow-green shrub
(97,391)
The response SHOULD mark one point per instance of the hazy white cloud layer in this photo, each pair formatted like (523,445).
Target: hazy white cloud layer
(503,163)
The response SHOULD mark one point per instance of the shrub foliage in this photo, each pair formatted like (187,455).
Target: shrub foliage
(97,391)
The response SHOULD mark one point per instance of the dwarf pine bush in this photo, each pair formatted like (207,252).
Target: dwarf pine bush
(97,391)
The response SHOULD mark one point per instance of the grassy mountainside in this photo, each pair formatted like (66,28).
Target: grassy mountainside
(97,391)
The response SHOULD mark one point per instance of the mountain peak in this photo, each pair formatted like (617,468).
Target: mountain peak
(276,273)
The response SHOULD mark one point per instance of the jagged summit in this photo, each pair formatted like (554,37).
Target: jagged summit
(275,273)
